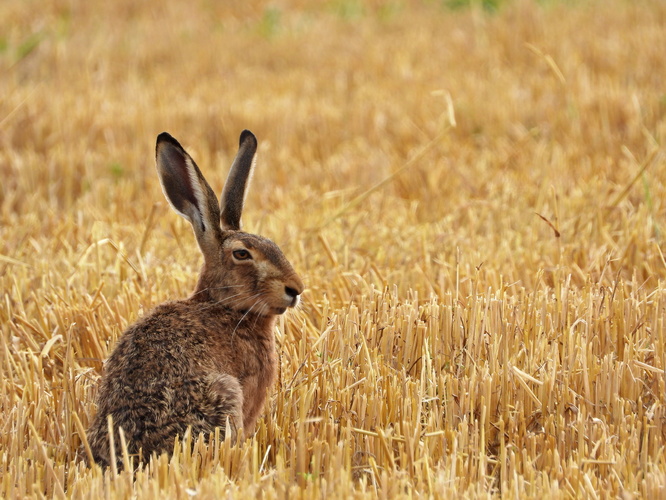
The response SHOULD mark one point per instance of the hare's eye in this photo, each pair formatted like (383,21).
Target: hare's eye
(241,254)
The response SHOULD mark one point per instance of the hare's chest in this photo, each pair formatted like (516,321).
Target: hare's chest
(260,368)
(257,378)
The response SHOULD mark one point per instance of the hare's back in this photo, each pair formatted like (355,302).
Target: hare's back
(169,339)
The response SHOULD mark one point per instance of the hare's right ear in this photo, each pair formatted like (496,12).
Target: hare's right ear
(187,191)
(233,195)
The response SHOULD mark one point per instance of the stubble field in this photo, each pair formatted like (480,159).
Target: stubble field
(473,197)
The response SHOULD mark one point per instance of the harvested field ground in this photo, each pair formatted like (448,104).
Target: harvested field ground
(474,198)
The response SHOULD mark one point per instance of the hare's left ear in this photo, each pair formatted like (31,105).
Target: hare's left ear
(187,191)
(235,189)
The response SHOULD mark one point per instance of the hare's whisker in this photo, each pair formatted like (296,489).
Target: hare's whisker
(233,334)
(258,314)
(219,302)
(240,298)
(208,288)
(237,301)
(227,300)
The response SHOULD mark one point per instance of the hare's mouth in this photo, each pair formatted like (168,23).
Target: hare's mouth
(286,304)
(279,303)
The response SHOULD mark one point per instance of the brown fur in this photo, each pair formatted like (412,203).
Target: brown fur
(209,359)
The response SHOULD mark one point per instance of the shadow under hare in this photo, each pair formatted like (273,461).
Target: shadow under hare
(206,361)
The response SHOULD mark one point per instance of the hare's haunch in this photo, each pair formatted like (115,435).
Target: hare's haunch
(206,361)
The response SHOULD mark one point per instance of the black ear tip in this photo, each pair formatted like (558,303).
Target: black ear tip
(247,135)
(166,137)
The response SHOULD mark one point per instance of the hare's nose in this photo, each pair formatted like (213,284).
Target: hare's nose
(292,292)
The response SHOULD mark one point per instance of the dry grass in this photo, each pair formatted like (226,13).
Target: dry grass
(449,343)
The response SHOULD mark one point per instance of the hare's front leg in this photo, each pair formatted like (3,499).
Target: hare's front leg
(227,396)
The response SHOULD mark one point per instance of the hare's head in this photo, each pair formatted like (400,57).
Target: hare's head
(242,271)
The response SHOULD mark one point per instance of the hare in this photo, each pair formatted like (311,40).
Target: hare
(206,361)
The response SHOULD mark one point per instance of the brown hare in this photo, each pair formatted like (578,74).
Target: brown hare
(207,360)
